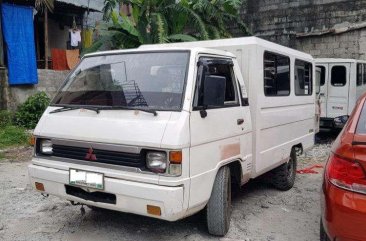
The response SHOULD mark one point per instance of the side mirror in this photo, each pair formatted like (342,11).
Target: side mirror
(214,90)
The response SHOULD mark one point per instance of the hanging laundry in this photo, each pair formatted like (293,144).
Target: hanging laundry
(18,31)
(59,61)
(87,38)
(75,37)
(72,58)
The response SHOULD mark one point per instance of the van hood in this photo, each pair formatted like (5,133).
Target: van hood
(125,127)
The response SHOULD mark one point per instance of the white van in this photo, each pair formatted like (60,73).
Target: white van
(166,131)
(342,82)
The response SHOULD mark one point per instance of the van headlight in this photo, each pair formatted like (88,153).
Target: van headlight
(156,161)
(341,120)
(45,147)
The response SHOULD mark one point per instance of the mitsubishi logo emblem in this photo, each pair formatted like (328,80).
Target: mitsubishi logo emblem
(90,156)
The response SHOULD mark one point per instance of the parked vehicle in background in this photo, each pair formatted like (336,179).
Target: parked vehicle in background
(342,82)
(343,196)
(165,131)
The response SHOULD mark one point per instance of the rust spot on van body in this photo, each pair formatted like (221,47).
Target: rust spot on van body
(230,150)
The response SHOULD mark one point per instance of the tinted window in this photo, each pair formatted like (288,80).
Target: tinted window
(276,75)
(359,74)
(322,75)
(361,125)
(339,76)
(216,67)
(139,80)
(364,74)
(303,78)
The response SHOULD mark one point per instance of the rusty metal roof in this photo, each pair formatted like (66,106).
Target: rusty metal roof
(96,5)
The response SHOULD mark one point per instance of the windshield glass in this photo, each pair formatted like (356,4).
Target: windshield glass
(138,80)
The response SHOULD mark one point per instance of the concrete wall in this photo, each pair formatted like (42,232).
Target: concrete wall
(11,96)
(311,25)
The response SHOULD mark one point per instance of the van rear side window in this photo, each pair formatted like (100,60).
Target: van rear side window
(303,78)
(322,75)
(361,125)
(276,74)
(339,76)
(359,74)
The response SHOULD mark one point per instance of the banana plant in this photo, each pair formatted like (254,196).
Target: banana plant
(164,21)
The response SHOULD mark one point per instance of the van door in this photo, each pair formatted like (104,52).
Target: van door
(338,89)
(217,123)
(323,95)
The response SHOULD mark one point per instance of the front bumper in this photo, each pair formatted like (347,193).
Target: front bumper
(343,213)
(333,123)
(131,197)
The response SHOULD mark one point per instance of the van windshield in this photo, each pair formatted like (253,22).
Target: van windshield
(136,80)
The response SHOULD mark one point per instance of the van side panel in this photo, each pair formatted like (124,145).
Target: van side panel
(282,121)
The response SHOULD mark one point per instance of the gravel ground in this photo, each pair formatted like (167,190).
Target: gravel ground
(259,211)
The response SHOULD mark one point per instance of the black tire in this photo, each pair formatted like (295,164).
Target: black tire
(283,177)
(218,211)
(323,235)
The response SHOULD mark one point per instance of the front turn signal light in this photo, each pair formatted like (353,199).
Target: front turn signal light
(32,140)
(175,163)
(153,210)
(175,157)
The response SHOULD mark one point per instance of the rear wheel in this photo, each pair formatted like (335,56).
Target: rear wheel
(218,211)
(283,177)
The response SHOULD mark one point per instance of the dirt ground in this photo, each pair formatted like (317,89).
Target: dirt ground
(259,211)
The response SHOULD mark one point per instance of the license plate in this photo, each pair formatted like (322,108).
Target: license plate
(86,179)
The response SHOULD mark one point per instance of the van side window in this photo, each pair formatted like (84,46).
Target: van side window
(322,75)
(339,76)
(364,74)
(359,74)
(303,78)
(276,74)
(221,69)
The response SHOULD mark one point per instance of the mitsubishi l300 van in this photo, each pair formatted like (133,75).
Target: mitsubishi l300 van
(342,82)
(165,131)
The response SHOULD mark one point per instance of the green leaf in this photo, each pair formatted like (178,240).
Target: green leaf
(181,38)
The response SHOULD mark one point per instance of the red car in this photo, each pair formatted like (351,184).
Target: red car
(343,198)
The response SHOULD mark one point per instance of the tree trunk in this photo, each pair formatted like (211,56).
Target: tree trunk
(46,38)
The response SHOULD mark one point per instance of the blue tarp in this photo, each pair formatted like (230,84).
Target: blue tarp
(18,31)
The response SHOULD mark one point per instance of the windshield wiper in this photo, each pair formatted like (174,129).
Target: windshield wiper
(128,108)
(67,108)
(98,109)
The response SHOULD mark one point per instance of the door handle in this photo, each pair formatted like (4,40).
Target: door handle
(240,121)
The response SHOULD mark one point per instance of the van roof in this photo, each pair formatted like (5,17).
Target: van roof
(231,42)
(161,49)
(338,60)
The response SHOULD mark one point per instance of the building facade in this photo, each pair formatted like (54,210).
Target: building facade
(323,28)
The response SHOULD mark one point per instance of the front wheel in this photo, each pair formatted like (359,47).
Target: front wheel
(218,211)
(283,177)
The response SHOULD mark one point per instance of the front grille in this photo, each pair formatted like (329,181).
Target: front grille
(101,156)
(101,197)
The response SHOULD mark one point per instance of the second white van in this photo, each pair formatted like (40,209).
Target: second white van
(342,82)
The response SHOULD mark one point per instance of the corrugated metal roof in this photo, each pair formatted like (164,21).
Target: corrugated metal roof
(93,4)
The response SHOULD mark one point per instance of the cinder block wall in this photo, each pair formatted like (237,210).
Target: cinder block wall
(11,96)
(281,20)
